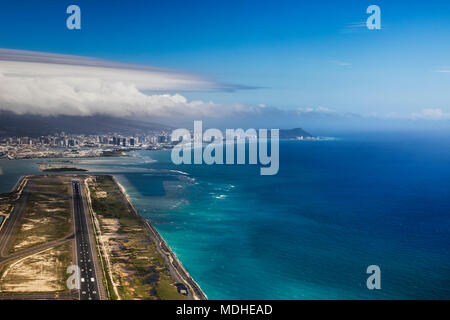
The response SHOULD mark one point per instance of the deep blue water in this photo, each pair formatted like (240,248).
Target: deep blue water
(309,232)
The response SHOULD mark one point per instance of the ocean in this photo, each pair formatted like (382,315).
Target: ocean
(310,232)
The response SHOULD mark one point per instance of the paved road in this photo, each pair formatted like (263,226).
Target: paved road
(89,286)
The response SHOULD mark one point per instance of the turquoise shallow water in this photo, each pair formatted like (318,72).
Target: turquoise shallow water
(309,232)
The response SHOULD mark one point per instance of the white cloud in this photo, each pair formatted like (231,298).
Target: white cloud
(443,69)
(313,110)
(355,27)
(431,114)
(424,114)
(340,63)
(50,84)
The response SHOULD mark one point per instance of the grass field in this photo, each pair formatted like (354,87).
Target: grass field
(47,214)
(137,266)
(46,217)
(42,272)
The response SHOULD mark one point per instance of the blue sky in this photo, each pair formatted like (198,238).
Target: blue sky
(299,54)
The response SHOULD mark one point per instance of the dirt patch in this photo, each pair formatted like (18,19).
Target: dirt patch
(54,210)
(47,213)
(109,225)
(31,240)
(41,272)
(101,194)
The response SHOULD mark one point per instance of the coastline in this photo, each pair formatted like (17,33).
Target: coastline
(104,154)
(18,184)
(176,268)
(17,190)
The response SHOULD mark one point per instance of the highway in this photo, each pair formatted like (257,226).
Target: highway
(89,289)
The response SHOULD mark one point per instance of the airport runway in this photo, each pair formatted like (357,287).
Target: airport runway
(89,282)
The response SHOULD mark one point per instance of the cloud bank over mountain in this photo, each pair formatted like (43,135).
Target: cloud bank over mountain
(52,84)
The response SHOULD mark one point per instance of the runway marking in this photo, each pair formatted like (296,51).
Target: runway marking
(83,239)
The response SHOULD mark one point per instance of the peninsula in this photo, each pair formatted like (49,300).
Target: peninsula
(53,225)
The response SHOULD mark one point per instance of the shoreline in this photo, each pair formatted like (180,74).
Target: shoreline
(175,266)
(18,183)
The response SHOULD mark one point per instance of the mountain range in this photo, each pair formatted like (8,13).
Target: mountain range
(30,125)
(12,124)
